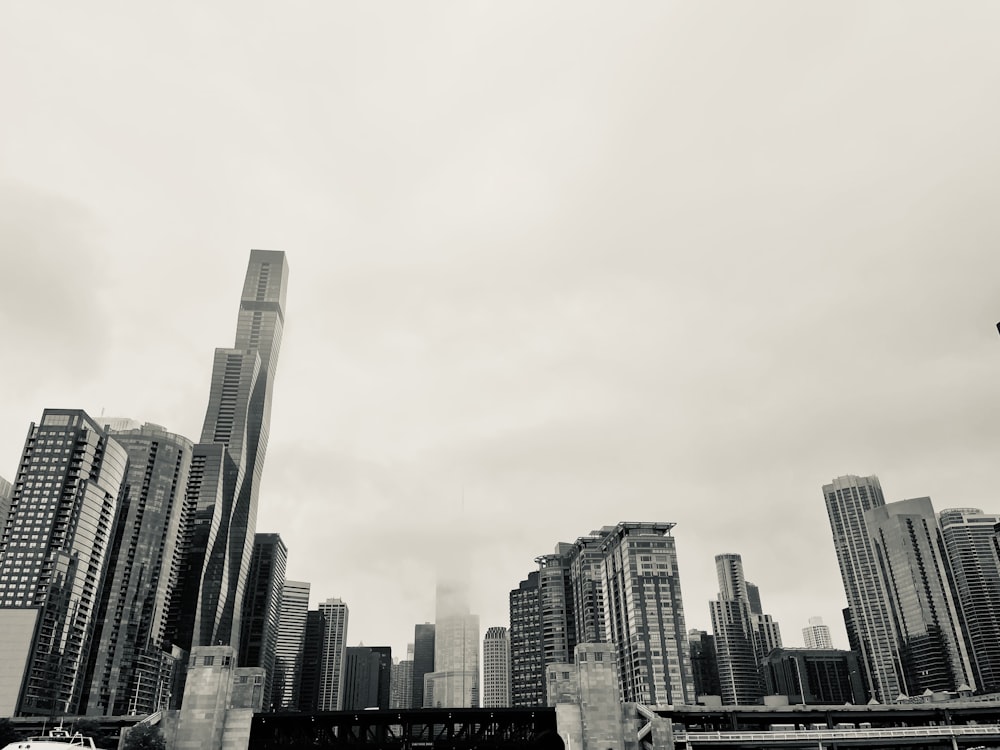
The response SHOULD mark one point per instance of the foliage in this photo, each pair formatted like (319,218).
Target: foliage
(8,733)
(144,737)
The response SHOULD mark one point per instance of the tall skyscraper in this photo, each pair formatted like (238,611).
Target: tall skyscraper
(262,608)
(816,634)
(334,642)
(968,540)
(311,681)
(496,668)
(132,662)
(704,664)
(743,638)
(229,459)
(454,683)
(645,614)
(423,659)
(53,560)
(6,493)
(909,556)
(527,682)
(290,648)
(367,677)
(869,626)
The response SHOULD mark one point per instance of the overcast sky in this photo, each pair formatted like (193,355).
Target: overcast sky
(553,265)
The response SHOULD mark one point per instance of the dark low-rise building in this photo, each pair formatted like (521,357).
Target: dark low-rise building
(815,676)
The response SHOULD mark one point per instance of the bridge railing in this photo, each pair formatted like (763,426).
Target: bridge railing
(838,734)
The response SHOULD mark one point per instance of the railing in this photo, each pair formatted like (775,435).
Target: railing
(837,734)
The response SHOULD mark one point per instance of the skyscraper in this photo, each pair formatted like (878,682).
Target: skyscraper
(262,607)
(334,641)
(423,659)
(53,560)
(868,621)
(645,613)
(968,540)
(454,683)
(909,555)
(816,634)
(401,690)
(704,664)
(311,681)
(229,459)
(367,677)
(290,648)
(743,637)
(6,492)
(496,668)
(526,666)
(132,662)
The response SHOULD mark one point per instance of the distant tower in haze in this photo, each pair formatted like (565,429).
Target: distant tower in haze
(229,459)
(496,668)
(454,683)
(743,638)
(909,555)
(262,608)
(816,634)
(53,559)
(868,621)
(290,648)
(968,540)
(423,660)
(133,657)
(333,644)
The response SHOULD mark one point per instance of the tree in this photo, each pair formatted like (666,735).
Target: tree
(94,730)
(8,733)
(144,737)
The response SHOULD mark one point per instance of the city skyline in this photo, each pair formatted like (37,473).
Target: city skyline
(586,293)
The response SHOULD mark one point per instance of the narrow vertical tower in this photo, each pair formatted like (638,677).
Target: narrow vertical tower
(867,617)
(290,648)
(496,668)
(332,649)
(262,608)
(230,456)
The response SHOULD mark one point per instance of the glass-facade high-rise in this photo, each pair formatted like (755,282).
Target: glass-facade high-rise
(968,540)
(133,662)
(53,559)
(909,554)
(333,642)
(229,459)
(454,683)
(423,660)
(868,621)
(262,608)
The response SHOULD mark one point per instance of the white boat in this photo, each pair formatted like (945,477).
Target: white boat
(56,739)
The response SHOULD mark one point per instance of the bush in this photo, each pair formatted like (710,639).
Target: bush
(144,737)
(8,733)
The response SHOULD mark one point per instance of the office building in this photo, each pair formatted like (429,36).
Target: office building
(6,493)
(401,691)
(423,660)
(53,560)
(333,644)
(704,664)
(816,635)
(525,636)
(262,608)
(367,677)
(645,614)
(289,650)
(496,668)
(743,638)
(968,535)
(311,680)
(815,676)
(586,591)
(454,683)
(909,558)
(868,621)
(133,662)
(229,459)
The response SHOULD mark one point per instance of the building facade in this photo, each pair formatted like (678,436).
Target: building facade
(815,676)
(868,621)
(645,613)
(817,635)
(133,662)
(704,664)
(53,559)
(496,668)
(289,649)
(525,634)
(230,458)
(262,608)
(401,691)
(454,683)
(367,677)
(311,680)
(968,535)
(423,660)
(333,645)
(909,555)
